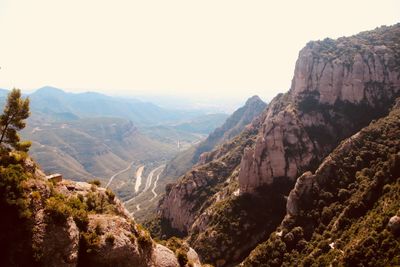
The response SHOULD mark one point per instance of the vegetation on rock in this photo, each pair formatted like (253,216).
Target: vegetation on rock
(342,220)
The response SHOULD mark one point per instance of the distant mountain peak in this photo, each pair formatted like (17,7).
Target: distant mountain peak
(253,99)
(49,89)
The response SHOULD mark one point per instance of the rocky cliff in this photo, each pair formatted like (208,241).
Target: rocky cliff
(339,87)
(192,194)
(346,212)
(65,223)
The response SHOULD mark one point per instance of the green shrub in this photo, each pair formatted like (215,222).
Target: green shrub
(36,195)
(12,189)
(57,209)
(95,182)
(90,242)
(110,194)
(16,250)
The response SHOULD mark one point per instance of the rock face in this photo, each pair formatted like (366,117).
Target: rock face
(303,185)
(338,87)
(282,146)
(62,243)
(79,224)
(345,208)
(164,257)
(190,196)
(347,74)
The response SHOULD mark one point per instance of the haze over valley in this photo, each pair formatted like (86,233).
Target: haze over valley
(87,136)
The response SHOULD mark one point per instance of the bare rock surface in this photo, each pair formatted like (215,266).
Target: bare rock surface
(333,81)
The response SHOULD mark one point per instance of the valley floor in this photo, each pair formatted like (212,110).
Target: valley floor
(142,180)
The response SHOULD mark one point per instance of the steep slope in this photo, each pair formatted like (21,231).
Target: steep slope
(69,223)
(195,190)
(338,88)
(347,212)
(92,147)
(231,128)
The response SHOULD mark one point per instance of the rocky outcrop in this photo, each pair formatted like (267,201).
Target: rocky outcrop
(345,70)
(81,224)
(164,257)
(394,225)
(338,87)
(283,146)
(193,193)
(59,243)
(303,186)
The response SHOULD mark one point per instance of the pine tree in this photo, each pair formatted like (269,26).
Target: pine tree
(12,120)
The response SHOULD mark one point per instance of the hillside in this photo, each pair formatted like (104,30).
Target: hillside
(233,125)
(347,213)
(93,147)
(240,191)
(65,223)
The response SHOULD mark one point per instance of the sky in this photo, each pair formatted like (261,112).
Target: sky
(200,49)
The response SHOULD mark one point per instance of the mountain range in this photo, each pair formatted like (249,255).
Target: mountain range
(311,179)
(277,194)
(56,103)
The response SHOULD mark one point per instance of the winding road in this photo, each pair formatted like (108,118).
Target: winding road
(118,173)
(155,185)
(149,184)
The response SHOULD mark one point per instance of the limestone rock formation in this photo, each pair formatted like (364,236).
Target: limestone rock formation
(188,197)
(303,186)
(281,148)
(338,87)
(347,208)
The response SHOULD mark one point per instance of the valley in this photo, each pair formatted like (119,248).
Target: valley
(147,195)
(118,173)
(121,142)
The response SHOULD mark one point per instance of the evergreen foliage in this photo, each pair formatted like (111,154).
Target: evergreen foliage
(16,111)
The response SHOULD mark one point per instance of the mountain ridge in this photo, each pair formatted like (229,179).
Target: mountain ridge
(294,134)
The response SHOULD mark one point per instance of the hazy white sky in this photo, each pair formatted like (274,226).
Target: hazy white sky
(214,47)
